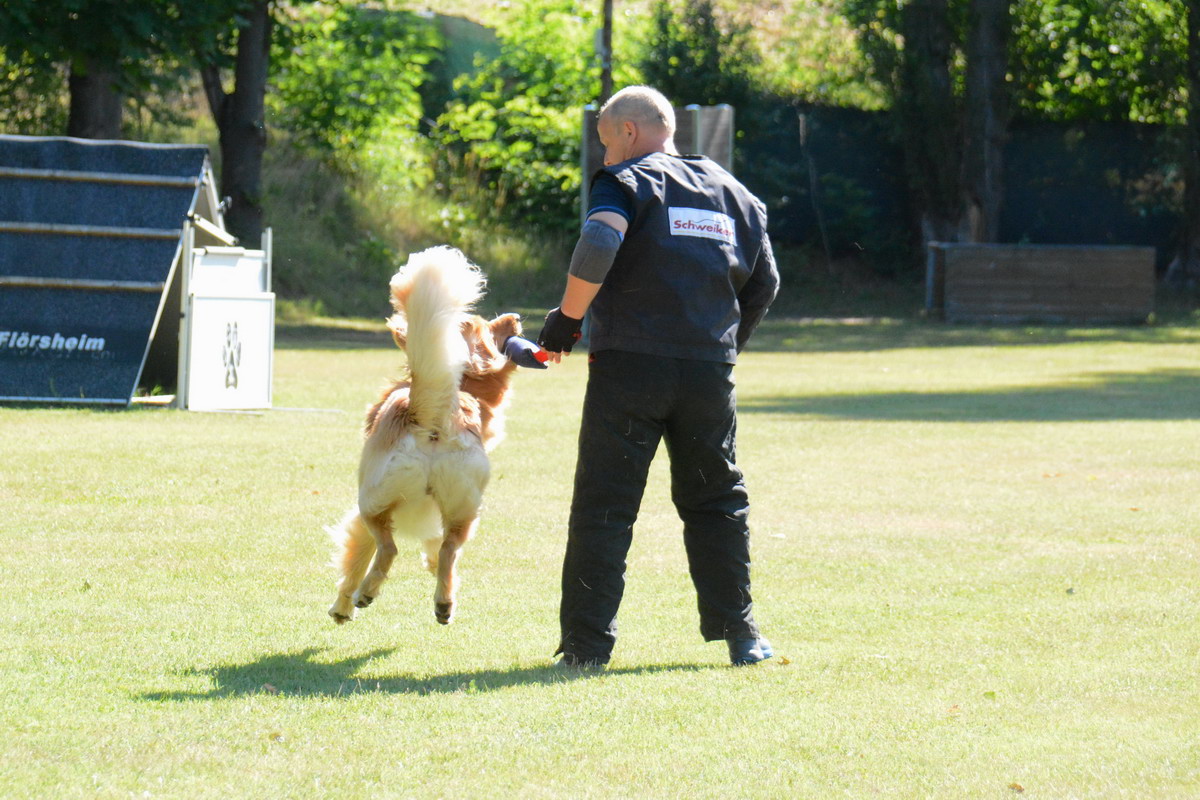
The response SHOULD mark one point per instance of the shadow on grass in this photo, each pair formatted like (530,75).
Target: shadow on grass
(873,335)
(803,335)
(303,674)
(1166,395)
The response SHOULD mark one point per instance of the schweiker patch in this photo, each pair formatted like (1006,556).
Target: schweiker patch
(701,223)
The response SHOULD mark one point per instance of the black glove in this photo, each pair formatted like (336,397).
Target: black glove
(560,333)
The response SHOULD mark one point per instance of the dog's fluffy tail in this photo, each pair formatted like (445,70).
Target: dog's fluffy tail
(432,295)
(354,547)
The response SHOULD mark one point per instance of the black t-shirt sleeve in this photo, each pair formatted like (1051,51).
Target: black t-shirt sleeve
(607,195)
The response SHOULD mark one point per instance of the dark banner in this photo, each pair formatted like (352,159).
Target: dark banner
(68,345)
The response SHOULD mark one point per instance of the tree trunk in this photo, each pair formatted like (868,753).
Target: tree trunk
(239,118)
(986,124)
(95,108)
(929,119)
(1185,267)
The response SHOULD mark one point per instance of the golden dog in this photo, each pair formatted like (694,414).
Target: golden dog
(424,462)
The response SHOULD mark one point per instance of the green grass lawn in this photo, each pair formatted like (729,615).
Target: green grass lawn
(977,552)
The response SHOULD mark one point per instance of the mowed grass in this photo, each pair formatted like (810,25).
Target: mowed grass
(977,552)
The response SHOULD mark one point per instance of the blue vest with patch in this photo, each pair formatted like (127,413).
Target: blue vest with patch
(677,285)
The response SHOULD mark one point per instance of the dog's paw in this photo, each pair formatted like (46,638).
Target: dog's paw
(342,611)
(444,612)
(362,600)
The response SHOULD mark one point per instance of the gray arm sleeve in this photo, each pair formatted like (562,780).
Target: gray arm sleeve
(595,252)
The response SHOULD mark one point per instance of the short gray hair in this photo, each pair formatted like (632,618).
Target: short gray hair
(642,105)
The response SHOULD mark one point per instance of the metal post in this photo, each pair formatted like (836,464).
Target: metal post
(184,278)
(606,81)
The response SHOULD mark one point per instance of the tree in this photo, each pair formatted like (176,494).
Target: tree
(930,118)
(816,57)
(31,98)
(239,118)
(694,55)
(986,123)
(1098,60)
(112,49)
(1185,267)
(347,82)
(509,141)
(951,120)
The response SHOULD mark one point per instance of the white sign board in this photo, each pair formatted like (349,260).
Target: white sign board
(230,350)
(228,271)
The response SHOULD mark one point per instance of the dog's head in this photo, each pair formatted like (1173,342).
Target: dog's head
(485,340)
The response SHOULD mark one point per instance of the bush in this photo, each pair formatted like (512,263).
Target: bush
(509,146)
(512,158)
(347,86)
(32,97)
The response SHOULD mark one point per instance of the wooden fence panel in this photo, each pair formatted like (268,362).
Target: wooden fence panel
(1040,283)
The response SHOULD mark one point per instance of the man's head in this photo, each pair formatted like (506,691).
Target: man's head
(635,121)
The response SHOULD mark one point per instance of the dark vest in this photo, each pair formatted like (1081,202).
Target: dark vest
(694,238)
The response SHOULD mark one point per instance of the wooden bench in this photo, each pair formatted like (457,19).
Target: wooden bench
(1008,283)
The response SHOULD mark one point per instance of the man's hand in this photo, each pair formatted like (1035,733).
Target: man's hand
(560,333)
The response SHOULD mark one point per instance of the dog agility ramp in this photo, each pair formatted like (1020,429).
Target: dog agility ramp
(96,243)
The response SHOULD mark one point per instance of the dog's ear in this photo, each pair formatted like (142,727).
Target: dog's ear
(485,352)
(398,325)
(504,326)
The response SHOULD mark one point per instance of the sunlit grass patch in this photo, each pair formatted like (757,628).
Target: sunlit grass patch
(975,553)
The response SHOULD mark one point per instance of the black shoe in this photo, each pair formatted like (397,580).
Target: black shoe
(571,662)
(743,652)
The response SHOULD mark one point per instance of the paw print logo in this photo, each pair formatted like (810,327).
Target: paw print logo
(231,354)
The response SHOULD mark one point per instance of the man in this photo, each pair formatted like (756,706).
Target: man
(675,265)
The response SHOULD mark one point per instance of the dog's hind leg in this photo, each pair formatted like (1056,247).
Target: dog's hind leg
(356,546)
(380,526)
(447,574)
(429,556)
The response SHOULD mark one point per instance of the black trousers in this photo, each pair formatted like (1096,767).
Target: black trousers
(633,401)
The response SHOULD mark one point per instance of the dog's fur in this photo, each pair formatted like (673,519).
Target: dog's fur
(424,462)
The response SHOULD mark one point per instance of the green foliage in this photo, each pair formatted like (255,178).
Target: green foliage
(150,49)
(347,84)
(130,38)
(509,145)
(64,31)
(326,250)
(1096,60)
(856,226)
(818,60)
(350,181)
(1100,60)
(877,23)
(512,156)
(695,56)
(346,98)
(340,235)
(32,96)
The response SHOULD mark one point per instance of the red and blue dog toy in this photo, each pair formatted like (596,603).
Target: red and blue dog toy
(525,353)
